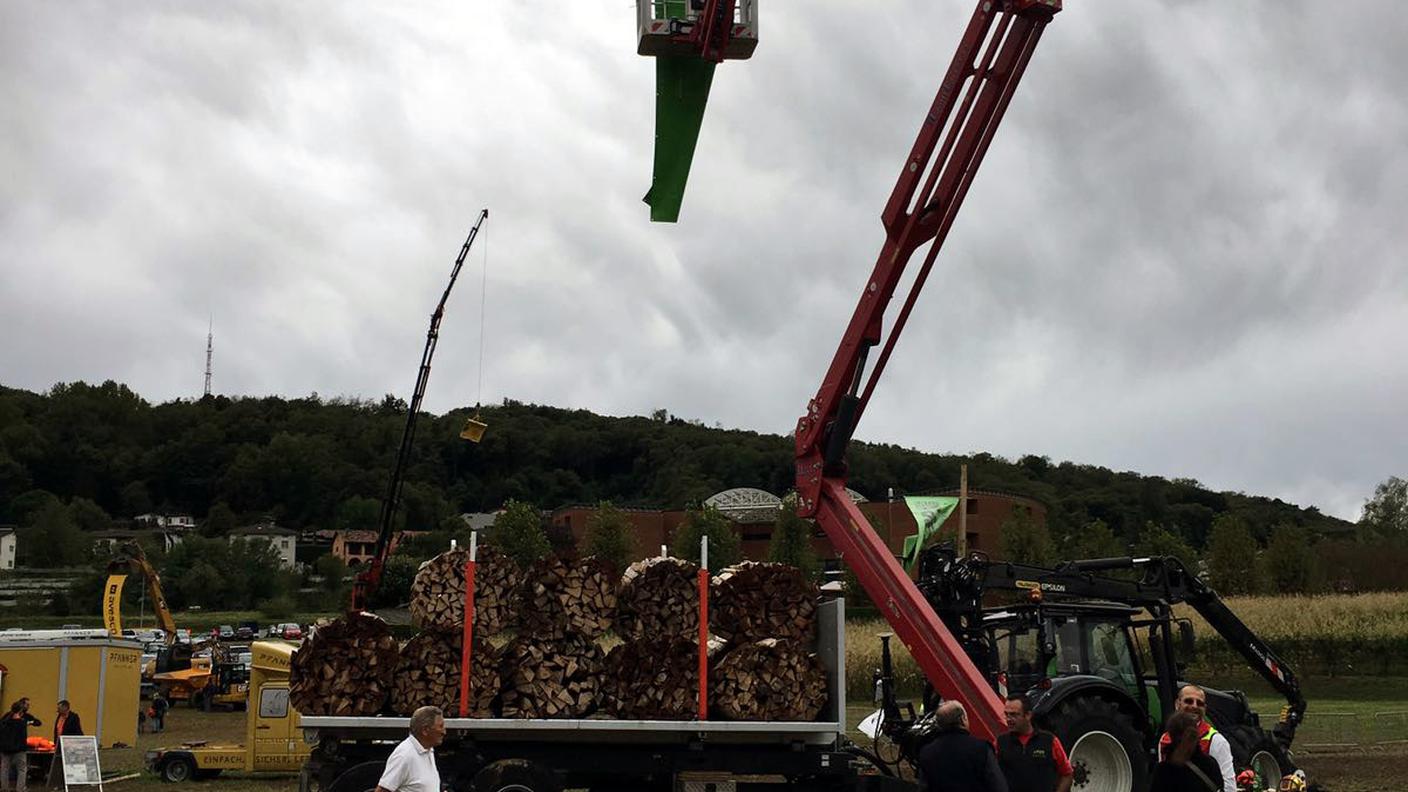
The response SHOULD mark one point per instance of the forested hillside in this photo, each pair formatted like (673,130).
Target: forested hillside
(316,462)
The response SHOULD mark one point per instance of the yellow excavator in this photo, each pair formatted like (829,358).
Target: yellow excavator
(203,681)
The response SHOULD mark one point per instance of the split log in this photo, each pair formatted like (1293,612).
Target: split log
(569,597)
(346,668)
(551,679)
(769,680)
(659,599)
(754,600)
(437,595)
(428,674)
(653,679)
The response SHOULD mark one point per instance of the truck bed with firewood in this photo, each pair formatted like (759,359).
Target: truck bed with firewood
(605,752)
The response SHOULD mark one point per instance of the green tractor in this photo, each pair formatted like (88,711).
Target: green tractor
(1101,659)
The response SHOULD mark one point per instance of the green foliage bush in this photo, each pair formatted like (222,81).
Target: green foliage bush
(725,545)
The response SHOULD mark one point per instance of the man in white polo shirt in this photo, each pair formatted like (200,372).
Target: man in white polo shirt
(411,767)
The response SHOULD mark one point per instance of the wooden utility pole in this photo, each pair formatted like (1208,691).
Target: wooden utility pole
(962,511)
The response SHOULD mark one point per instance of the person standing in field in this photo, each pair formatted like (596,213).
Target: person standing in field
(1194,701)
(1183,766)
(1032,759)
(66,724)
(14,744)
(956,761)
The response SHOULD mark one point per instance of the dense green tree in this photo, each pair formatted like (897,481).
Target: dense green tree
(89,516)
(611,536)
(50,537)
(219,521)
(1386,514)
(520,533)
(1289,564)
(1092,540)
(1156,540)
(396,579)
(1231,557)
(1024,540)
(136,499)
(792,539)
(332,572)
(359,514)
(725,545)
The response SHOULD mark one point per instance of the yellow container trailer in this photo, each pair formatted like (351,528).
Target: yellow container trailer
(99,675)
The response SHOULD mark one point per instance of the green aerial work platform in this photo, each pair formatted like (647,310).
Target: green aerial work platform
(687,38)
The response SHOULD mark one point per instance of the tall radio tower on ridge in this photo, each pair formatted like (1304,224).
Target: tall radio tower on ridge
(209,347)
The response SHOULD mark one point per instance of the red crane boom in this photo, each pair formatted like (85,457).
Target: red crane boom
(972,98)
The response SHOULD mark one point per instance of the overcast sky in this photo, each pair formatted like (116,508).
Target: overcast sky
(1183,255)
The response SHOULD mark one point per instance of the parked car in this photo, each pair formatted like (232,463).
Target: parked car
(276,630)
(290,631)
(227,633)
(247,631)
(183,635)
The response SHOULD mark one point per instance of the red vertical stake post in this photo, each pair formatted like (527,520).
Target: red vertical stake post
(704,628)
(467,647)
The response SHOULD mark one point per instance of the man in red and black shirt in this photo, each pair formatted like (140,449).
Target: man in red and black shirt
(1031,759)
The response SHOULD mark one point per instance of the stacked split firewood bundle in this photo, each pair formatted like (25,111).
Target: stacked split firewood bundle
(770,679)
(755,600)
(346,668)
(554,668)
(429,675)
(437,595)
(563,598)
(551,678)
(653,679)
(760,658)
(763,617)
(659,598)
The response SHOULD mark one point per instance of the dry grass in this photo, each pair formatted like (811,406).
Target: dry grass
(1380,616)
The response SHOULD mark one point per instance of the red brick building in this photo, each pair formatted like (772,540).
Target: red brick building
(752,512)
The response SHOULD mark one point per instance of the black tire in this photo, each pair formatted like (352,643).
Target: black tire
(177,769)
(1104,745)
(515,775)
(1256,749)
(207,700)
(359,778)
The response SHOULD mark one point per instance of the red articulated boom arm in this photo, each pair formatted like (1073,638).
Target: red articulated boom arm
(958,128)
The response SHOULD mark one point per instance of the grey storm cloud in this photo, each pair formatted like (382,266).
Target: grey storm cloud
(1183,254)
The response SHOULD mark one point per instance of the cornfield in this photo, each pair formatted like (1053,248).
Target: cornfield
(1327,634)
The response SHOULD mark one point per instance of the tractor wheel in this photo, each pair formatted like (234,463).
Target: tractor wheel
(515,775)
(178,769)
(1104,746)
(1256,749)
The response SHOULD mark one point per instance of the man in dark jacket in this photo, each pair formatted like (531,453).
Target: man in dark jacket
(66,724)
(1032,759)
(14,742)
(956,761)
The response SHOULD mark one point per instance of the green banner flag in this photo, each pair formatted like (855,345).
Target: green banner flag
(929,513)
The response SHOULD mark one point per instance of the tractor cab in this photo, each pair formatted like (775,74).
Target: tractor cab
(675,27)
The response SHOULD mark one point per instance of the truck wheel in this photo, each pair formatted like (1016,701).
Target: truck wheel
(1256,749)
(515,775)
(360,778)
(1105,748)
(178,769)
